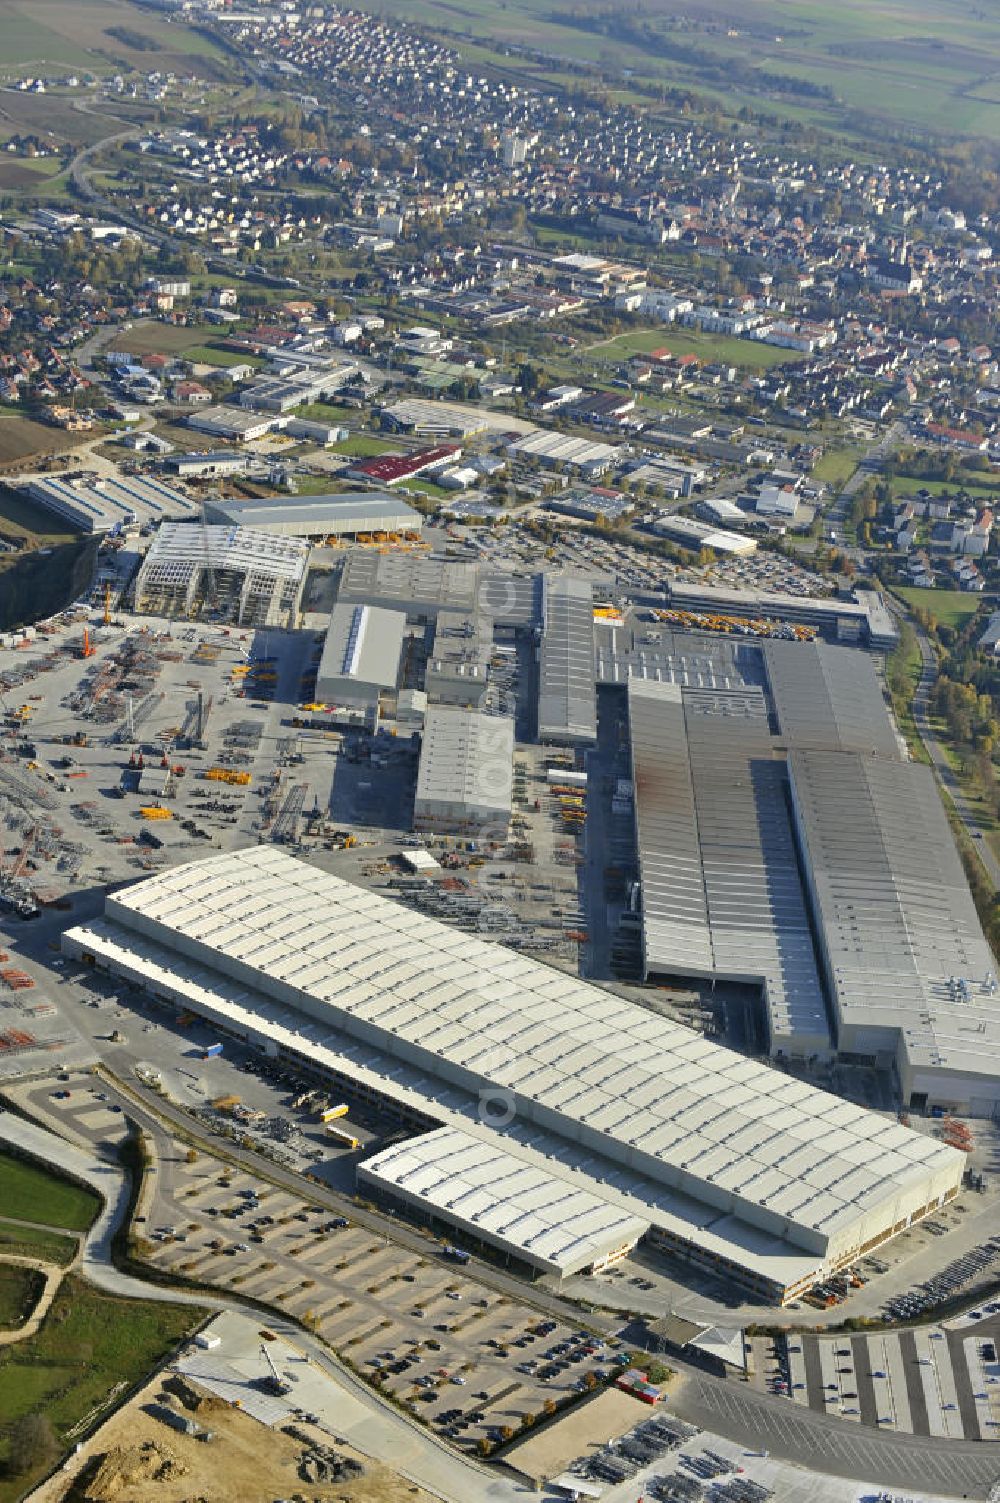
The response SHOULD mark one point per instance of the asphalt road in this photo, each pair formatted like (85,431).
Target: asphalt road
(809,1439)
(966,1469)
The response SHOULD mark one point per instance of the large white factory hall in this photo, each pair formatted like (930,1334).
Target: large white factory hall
(554,1121)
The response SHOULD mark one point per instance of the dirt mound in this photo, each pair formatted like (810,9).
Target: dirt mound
(197,1400)
(128,1467)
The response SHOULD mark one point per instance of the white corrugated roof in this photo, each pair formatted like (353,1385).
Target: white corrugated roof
(500,1196)
(558,1044)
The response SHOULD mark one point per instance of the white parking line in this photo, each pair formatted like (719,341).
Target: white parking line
(928,1357)
(846,1382)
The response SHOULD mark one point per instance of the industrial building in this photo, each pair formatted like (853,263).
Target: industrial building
(232,423)
(458,666)
(908,968)
(865,618)
(738,1167)
(249,578)
(209,464)
(785,844)
(361,655)
(689,533)
(722,898)
(483,1194)
(394,469)
(420,585)
(345,515)
(100,503)
(442,420)
(465,777)
(567,700)
(564,451)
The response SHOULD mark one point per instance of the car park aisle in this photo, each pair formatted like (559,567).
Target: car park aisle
(886,1414)
(985,1376)
(938,1380)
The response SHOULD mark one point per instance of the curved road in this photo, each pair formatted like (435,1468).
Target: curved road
(404,1444)
(805,1438)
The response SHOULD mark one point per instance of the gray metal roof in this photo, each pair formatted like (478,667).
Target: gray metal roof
(906,956)
(363,645)
(360,511)
(409,582)
(567,702)
(829,698)
(721,891)
(466,762)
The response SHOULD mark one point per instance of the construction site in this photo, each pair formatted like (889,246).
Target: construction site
(233,1436)
(229,574)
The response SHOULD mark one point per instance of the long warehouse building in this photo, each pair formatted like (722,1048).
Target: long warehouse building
(739,1167)
(784,842)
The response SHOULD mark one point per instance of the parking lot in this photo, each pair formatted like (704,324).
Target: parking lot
(935,1380)
(472,1362)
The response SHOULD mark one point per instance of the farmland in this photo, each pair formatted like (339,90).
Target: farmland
(845,67)
(21,439)
(97,36)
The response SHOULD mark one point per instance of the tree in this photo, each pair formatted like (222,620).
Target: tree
(191,1157)
(32,1444)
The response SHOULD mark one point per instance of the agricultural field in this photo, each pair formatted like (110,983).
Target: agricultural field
(52,116)
(948,607)
(150,337)
(99,36)
(213,354)
(931,66)
(747,353)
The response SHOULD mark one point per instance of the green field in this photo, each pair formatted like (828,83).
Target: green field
(948,607)
(19,1241)
(89,1342)
(708,347)
(327,412)
(150,337)
(28,1193)
(836,466)
(211,354)
(365,446)
(977,485)
(847,67)
(19,1292)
